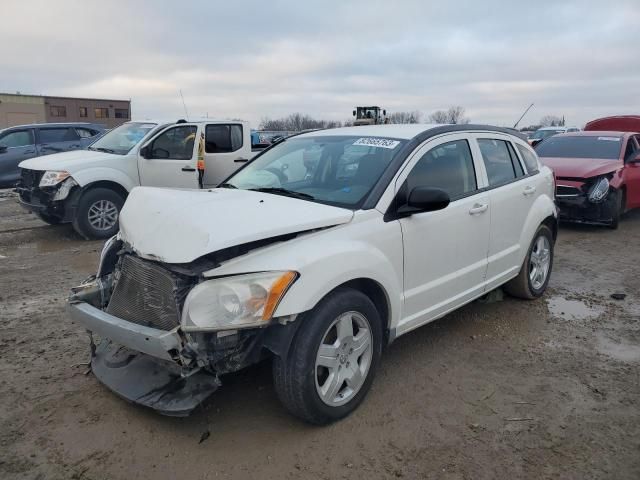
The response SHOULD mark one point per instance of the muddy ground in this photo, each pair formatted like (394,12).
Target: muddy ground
(511,389)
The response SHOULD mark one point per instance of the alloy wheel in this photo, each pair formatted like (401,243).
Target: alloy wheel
(539,262)
(103,215)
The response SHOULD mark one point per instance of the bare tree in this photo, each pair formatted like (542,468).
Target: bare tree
(296,122)
(551,121)
(405,117)
(454,115)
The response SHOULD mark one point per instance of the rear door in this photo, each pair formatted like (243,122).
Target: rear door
(445,252)
(169,159)
(15,146)
(224,151)
(512,192)
(57,139)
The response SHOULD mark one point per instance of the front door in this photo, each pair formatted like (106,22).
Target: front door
(170,159)
(57,140)
(223,151)
(445,252)
(632,172)
(15,146)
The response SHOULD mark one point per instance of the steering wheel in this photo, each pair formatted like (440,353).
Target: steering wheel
(278,173)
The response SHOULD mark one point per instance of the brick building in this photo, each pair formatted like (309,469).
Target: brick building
(17,109)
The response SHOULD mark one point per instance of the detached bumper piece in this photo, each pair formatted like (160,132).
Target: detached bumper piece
(580,210)
(151,382)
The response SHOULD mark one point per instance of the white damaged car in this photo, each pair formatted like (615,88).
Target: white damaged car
(318,253)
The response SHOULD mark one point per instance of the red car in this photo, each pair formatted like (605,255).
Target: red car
(597,174)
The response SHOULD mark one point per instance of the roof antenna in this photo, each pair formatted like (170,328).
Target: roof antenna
(522,116)
(186,112)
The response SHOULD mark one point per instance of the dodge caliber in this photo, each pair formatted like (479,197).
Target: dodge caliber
(318,253)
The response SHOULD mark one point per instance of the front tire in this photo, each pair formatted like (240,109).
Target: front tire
(98,213)
(618,210)
(535,272)
(332,360)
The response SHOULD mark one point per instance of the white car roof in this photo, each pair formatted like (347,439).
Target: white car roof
(403,131)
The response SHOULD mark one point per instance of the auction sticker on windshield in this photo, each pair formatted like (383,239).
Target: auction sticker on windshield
(377,142)
(610,139)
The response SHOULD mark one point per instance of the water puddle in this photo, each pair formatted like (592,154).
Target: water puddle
(560,307)
(623,352)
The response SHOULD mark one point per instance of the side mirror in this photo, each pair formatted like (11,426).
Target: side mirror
(384,112)
(3,148)
(145,152)
(354,113)
(635,159)
(535,142)
(425,199)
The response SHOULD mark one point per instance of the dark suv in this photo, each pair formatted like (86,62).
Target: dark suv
(27,141)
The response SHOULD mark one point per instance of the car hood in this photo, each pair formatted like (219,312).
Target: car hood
(179,226)
(68,161)
(580,167)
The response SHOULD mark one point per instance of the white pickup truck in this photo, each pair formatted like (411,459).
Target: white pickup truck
(88,187)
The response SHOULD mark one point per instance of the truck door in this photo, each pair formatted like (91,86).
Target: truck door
(170,158)
(225,151)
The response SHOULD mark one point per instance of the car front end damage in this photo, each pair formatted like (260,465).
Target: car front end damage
(592,201)
(162,334)
(52,194)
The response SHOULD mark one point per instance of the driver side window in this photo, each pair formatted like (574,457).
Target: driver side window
(449,167)
(175,144)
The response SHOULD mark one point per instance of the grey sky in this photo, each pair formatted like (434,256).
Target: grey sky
(247,60)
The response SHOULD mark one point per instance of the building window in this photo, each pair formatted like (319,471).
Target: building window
(101,112)
(122,113)
(58,111)
(83,112)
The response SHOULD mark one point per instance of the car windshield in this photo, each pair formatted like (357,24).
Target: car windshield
(542,134)
(122,139)
(581,147)
(334,170)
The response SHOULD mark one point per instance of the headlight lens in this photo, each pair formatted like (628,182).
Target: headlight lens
(598,192)
(235,302)
(51,178)
(65,188)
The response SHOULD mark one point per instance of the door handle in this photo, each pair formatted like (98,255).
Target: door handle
(188,169)
(29,152)
(75,146)
(241,160)
(478,208)
(529,191)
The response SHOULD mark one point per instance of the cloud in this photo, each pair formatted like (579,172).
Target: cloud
(250,59)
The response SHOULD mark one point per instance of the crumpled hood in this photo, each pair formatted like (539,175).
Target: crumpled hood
(69,161)
(179,226)
(580,167)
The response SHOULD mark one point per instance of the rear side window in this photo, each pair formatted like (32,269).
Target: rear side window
(52,135)
(20,138)
(448,166)
(223,138)
(85,132)
(529,158)
(500,161)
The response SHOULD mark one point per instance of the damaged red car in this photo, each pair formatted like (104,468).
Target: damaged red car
(597,174)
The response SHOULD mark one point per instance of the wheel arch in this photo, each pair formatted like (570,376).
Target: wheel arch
(109,184)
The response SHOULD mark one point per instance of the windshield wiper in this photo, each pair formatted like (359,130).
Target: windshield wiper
(101,149)
(284,191)
(227,185)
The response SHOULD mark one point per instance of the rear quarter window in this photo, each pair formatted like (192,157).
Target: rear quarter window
(529,158)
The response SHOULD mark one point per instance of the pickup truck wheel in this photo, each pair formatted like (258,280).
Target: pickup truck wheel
(535,272)
(97,214)
(332,360)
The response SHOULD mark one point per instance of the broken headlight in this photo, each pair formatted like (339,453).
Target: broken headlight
(240,301)
(52,177)
(599,190)
(65,188)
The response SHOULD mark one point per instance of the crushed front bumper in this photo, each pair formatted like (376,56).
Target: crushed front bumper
(580,210)
(142,364)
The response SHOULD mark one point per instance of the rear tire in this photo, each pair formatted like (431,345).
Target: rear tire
(98,213)
(528,284)
(332,360)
